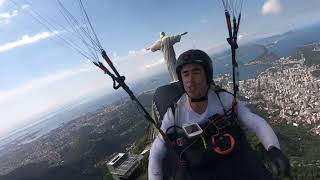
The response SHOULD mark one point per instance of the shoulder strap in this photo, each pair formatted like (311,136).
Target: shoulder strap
(217,89)
(224,109)
(173,109)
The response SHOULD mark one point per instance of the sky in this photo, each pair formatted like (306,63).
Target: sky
(40,73)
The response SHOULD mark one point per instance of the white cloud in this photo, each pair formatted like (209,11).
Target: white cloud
(240,37)
(152,65)
(271,7)
(137,52)
(25,6)
(26,39)
(2,2)
(247,36)
(141,55)
(204,20)
(41,82)
(216,47)
(6,16)
(115,56)
(140,63)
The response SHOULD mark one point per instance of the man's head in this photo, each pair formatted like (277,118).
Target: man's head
(194,70)
(162,34)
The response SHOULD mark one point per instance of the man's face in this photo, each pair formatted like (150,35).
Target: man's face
(194,80)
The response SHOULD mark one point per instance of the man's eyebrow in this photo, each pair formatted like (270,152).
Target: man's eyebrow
(195,69)
(185,71)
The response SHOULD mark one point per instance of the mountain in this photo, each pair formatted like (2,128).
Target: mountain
(246,53)
(311,53)
(285,44)
(280,45)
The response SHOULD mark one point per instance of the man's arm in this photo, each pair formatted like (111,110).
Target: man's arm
(259,126)
(268,138)
(253,123)
(158,150)
(157,154)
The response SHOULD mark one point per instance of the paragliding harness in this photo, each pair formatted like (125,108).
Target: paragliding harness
(220,138)
(219,133)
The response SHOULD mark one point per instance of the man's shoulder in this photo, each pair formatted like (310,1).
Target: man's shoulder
(183,100)
(225,93)
(168,119)
(179,104)
(224,96)
(216,88)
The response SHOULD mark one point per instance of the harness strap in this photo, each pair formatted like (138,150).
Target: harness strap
(173,109)
(224,109)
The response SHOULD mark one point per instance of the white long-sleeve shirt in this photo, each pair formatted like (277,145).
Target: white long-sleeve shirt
(185,115)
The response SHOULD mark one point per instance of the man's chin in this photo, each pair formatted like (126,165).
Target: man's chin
(194,97)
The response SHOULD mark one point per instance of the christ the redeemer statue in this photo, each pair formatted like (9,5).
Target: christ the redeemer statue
(165,44)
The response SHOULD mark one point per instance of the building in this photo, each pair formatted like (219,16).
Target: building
(123,165)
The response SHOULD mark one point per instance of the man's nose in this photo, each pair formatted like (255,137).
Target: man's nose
(190,79)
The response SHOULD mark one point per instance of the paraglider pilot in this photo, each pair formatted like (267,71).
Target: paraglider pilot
(206,132)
